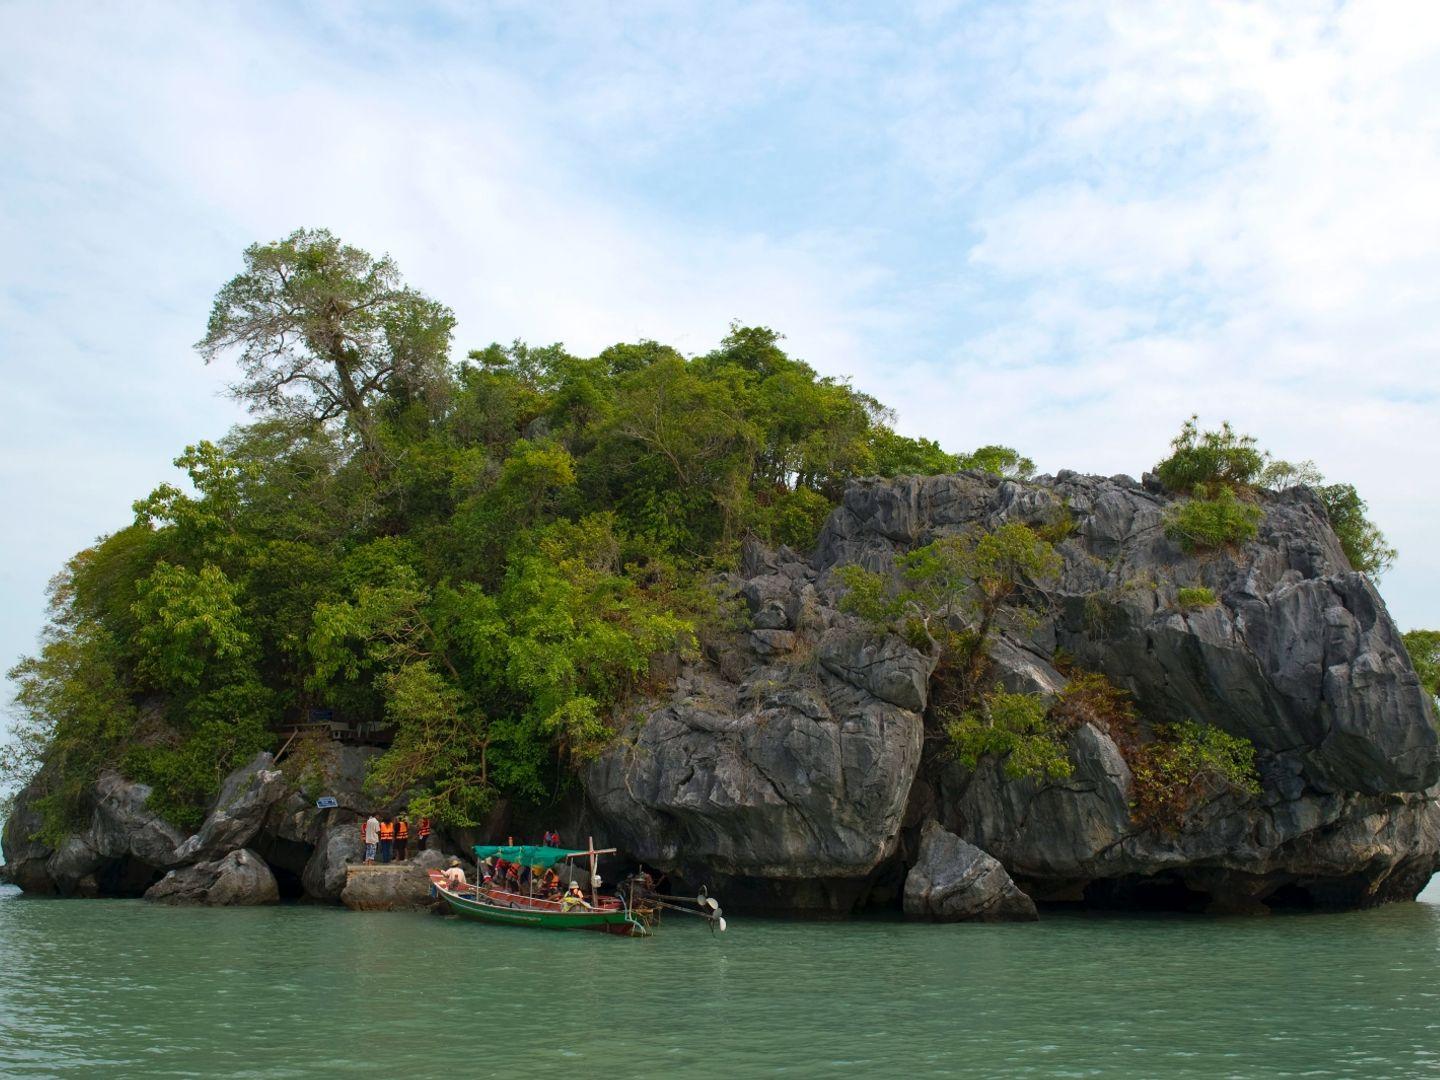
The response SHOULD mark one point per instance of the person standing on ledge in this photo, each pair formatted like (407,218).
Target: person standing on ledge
(423,843)
(402,837)
(387,838)
(371,832)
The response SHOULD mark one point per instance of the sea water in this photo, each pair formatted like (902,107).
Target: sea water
(120,988)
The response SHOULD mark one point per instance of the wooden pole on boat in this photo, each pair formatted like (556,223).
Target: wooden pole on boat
(594,893)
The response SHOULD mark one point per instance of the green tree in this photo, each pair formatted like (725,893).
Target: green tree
(999,461)
(1211,459)
(1360,538)
(321,329)
(1424,649)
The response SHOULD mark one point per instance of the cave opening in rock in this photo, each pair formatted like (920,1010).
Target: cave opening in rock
(286,859)
(1291,897)
(128,877)
(288,883)
(1158,893)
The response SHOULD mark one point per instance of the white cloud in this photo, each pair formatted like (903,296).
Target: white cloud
(1230,209)
(1063,226)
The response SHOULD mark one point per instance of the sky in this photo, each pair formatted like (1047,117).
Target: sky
(1060,226)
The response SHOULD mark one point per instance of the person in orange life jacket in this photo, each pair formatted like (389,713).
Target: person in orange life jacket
(550,885)
(423,843)
(402,837)
(387,838)
(497,872)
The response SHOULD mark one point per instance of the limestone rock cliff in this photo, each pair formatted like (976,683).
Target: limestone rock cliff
(792,765)
(790,758)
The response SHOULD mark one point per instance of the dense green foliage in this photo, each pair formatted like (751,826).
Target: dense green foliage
(1212,521)
(1424,649)
(1363,542)
(1014,728)
(1221,458)
(1000,461)
(1222,469)
(1195,597)
(484,554)
(951,597)
(1174,768)
(1183,765)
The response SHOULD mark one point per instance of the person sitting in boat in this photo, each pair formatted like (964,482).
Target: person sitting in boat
(498,873)
(455,876)
(574,898)
(550,885)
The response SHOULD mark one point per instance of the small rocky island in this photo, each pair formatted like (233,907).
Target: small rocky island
(789,765)
(716,613)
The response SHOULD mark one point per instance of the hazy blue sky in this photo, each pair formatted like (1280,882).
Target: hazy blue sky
(1062,226)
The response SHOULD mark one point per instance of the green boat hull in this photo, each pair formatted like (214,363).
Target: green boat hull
(617,921)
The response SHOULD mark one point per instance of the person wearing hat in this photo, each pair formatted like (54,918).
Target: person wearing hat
(455,876)
(574,898)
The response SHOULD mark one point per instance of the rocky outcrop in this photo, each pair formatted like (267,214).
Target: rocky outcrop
(123,847)
(792,765)
(241,878)
(1297,655)
(339,848)
(780,759)
(245,798)
(782,774)
(392,886)
(953,881)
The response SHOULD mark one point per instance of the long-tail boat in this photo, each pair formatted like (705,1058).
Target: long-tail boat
(629,915)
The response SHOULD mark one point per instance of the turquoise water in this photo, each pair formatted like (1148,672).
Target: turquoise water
(119,988)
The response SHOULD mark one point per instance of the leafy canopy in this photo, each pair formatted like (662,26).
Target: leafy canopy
(482,554)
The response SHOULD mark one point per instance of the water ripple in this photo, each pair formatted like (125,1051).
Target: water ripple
(127,989)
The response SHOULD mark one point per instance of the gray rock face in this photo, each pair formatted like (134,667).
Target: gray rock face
(120,851)
(1298,655)
(26,858)
(338,849)
(241,878)
(125,848)
(779,770)
(780,760)
(240,809)
(393,886)
(953,881)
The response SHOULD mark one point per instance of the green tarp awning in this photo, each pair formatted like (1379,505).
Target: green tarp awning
(524,854)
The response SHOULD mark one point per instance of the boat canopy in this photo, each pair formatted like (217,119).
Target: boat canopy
(525,854)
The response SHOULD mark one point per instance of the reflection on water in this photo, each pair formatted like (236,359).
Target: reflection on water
(121,988)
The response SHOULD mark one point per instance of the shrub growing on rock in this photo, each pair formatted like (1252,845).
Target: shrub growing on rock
(1192,598)
(1184,765)
(1015,728)
(1215,466)
(953,596)
(1360,538)
(1204,523)
(1209,458)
